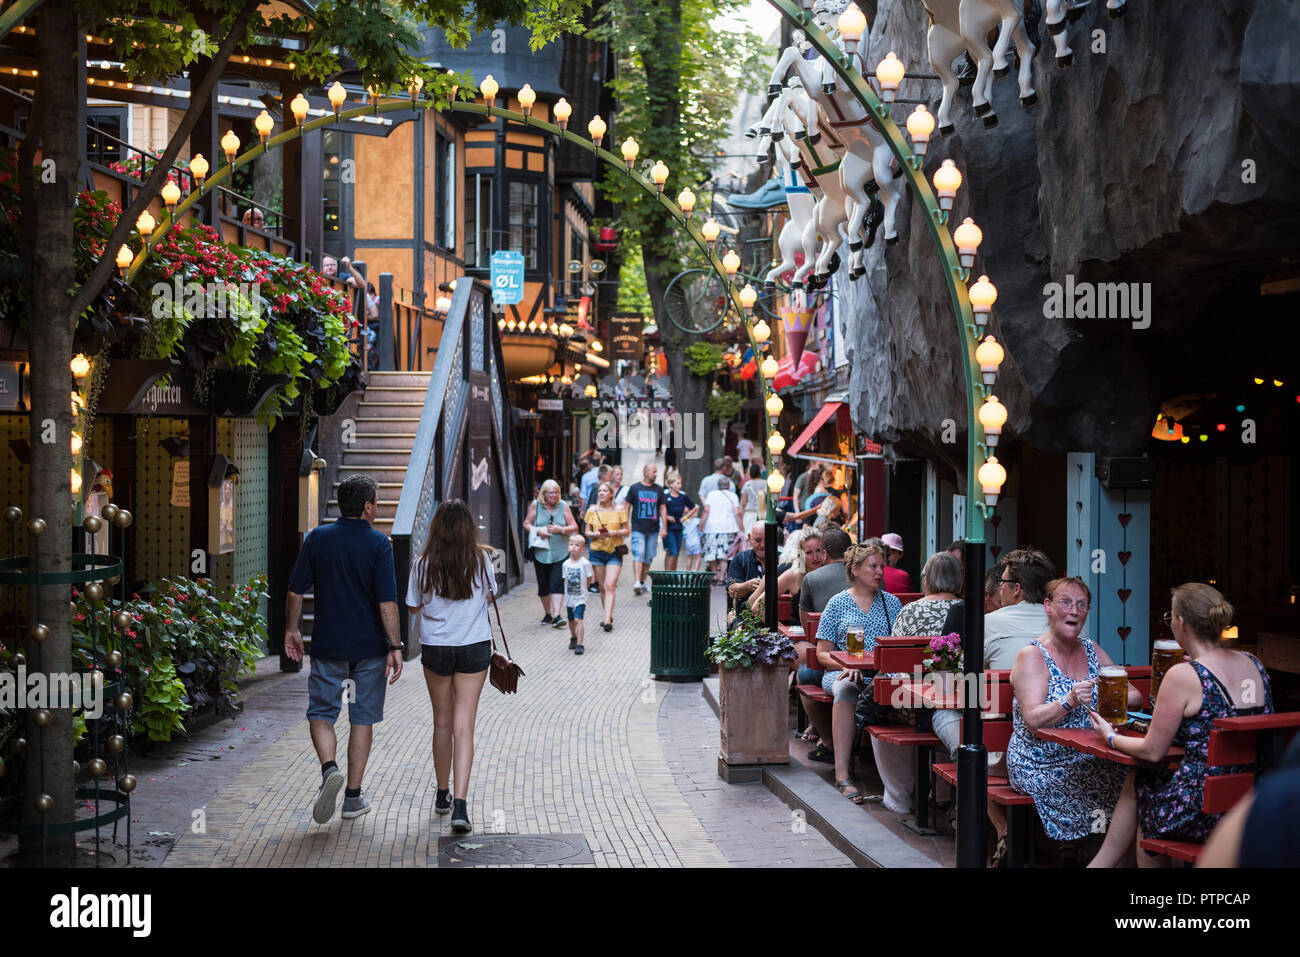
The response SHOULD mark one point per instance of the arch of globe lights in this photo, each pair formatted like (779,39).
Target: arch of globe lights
(958,248)
(705,235)
(983,354)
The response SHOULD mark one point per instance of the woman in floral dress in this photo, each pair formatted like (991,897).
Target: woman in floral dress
(1054,679)
(941,580)
(1216,683)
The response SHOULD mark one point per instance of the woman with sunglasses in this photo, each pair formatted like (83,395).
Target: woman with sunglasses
(1055,684)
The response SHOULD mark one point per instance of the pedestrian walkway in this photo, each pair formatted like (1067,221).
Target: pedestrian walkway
(591,746)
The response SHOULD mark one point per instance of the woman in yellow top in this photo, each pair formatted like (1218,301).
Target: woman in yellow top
(607,530)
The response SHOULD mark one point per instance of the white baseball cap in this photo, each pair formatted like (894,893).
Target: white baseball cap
(893,540)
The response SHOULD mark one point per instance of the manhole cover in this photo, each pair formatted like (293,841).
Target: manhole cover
(507,849)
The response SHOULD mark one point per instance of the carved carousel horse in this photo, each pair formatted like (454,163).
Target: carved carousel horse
(958,26)
(799,196)
(802,158)
(978,18)
(867,163)
(1057,12)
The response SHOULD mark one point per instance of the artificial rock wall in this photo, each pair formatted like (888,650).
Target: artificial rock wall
(1130,169)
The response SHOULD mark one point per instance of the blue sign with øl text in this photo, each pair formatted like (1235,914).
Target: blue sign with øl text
(507,277)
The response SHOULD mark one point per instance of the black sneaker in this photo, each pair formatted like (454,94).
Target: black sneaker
(573,643)
(593,589)
(442,802)
(548,620)
(460,818)
(580,649)
(607,625)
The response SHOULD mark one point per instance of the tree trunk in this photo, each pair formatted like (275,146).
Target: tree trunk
(690,391)
(48,230)
(659,246)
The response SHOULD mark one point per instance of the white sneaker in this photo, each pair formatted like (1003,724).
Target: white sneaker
(637,588)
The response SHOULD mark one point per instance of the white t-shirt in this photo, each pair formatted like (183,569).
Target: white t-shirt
(722,512)
(745,450)
(576,574)
(621,497)
(443,622)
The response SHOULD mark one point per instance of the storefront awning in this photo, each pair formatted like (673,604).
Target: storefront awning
(820,419)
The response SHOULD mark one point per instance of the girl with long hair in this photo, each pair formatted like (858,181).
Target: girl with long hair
(607,529)
(447,593)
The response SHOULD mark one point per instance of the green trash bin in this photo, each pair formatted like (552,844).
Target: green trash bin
(679,624)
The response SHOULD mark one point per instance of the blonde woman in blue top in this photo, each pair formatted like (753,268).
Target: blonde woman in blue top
(864,603)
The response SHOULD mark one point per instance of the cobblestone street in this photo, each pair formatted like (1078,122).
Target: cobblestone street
(592,746)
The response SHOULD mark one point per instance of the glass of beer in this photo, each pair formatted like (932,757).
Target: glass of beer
(854,643)
(1112,694)
(1165,653)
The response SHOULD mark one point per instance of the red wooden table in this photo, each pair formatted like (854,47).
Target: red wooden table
(793,632)
(910,693)
(1088,741)
(850,662)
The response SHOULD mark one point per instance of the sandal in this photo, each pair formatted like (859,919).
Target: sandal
(821,753)
(1000,854)
(809,734)
(857,797)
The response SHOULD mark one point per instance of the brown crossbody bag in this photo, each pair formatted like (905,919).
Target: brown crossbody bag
(503,672)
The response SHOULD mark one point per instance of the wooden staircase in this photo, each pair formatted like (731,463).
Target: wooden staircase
(387,415)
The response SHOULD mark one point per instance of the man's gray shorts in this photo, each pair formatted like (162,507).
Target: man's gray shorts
(326,691)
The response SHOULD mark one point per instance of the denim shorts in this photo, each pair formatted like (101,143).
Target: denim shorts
(643,546)
(597,557)
(364,695)
(446,660)
(576,612)
(673,542)
(809,676)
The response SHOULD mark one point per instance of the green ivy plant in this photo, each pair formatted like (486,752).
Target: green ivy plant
(724,405)
(703,358)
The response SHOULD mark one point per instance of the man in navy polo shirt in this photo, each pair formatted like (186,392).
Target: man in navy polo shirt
(356,639)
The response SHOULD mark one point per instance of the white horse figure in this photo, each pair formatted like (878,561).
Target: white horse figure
(978,18)
(818,168)
(944,43)
(1057,12)
(799,195)
(867,162)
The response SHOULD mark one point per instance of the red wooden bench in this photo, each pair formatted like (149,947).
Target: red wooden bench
(811,692)
(905,655)
(908,597)
(1253,740)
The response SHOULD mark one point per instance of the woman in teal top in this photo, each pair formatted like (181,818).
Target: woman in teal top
(549,523)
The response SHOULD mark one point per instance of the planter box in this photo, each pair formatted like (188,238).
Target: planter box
(754,711)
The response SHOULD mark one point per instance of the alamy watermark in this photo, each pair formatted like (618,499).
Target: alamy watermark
(647,429)
(1130,301)
(212,300)
(78,689)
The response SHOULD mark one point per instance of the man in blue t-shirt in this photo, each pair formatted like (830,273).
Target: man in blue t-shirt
(649,504)
(356,638)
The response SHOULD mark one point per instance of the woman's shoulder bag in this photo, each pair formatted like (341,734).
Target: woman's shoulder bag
(503,672)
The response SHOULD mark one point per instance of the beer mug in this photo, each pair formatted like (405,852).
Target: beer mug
(1165,653)
(854,643)
(1112,694)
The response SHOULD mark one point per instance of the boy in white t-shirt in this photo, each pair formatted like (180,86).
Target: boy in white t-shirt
(577,574)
